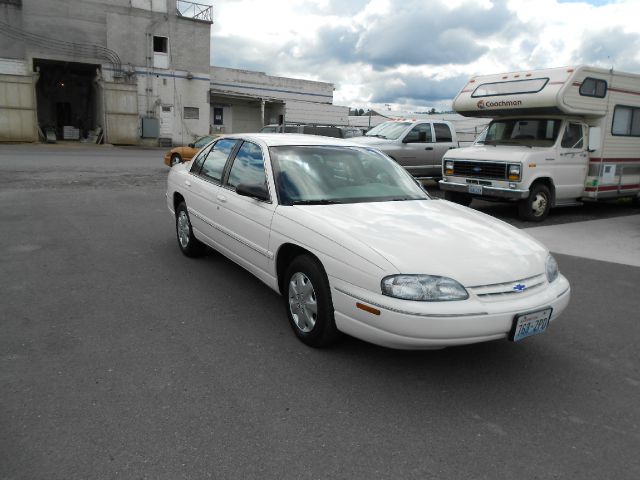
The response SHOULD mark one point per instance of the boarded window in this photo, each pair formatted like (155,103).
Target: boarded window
(191,113)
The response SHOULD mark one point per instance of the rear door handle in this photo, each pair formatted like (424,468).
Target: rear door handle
(222,198)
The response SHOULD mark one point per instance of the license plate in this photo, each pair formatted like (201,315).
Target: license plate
(475,189)
(527,324)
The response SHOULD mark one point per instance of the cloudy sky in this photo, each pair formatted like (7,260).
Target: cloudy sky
(417,54)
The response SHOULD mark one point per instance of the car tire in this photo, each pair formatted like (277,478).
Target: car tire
(188,243)
(175,159)
(536,206)
(307,299)
(458,197)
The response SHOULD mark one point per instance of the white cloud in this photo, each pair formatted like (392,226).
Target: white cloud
(409,53)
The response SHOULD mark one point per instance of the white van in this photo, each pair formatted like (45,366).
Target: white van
(558,136)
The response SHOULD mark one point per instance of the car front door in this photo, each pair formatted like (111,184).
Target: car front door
(246,221)
(572,162)
(203,186)
(416,152)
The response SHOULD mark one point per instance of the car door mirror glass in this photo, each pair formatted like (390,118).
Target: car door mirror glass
(253,190)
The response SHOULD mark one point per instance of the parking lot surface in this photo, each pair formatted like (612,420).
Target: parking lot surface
(121,358)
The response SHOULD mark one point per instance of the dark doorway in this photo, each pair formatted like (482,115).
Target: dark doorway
(66,98)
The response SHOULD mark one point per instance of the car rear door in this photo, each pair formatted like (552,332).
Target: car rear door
(203,186)
(443,143)
(416,150)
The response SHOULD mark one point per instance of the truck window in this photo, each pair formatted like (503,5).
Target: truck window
(572,137)
(443,132)
(421,133)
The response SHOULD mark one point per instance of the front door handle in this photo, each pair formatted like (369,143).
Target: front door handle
(187,183)
(222,198)
(429,148)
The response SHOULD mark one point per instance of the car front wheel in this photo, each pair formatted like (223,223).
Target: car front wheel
(188,243)
(535,208)
(308,302)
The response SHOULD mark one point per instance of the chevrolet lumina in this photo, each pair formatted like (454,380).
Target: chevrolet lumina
(355,245)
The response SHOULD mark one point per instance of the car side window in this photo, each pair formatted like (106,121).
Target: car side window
(248,166)
(421,133)
(572,136)
(196,165)
(443,132)
(213,165)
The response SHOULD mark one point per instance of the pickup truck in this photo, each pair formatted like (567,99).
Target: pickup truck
(418,146)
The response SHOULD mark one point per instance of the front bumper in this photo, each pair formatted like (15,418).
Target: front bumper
(431,325)
(487,191)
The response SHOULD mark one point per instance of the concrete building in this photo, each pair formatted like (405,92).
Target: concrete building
(128,69)
(135,71)
(245,101)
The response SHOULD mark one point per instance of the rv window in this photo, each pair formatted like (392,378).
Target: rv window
(626,121)
(593,87)
(512,87)
(443,132)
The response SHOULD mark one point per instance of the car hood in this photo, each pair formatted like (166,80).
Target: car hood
(507,153)
(433,237)
(372,141)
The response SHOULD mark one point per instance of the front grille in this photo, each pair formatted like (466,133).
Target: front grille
(500,291)
(467,168)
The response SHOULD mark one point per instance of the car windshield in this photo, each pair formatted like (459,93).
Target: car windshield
(333,174)
(537,132)
(388,130)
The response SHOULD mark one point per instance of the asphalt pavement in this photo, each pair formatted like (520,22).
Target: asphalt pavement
(121,358)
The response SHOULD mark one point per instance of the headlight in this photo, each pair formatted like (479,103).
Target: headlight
(448,167)
(425,288)
(514,172)
(552,268)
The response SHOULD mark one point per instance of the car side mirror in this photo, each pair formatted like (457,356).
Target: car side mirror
(253,190)
(595,138)
(192,145)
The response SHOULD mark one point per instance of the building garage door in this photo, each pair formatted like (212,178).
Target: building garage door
(121,113)
(17,109)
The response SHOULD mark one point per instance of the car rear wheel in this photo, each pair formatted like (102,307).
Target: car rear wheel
(535,208)
(175,159)
(188,243)
(308,302)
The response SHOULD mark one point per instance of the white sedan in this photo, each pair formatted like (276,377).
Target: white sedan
(355,245)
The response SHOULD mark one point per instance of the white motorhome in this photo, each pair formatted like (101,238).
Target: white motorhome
(558,136)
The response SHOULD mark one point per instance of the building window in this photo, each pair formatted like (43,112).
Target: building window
(191,113)
(626,121)
(593,87)
(160,44)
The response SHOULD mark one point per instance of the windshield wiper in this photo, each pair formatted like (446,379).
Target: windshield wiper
(377,136)
(315,202)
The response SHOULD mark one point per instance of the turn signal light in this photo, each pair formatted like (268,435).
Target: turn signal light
(448,167)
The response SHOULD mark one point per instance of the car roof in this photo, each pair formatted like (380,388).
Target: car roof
(283,139)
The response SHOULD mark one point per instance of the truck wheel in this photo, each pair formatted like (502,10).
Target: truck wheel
(458,197)
(536,207)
